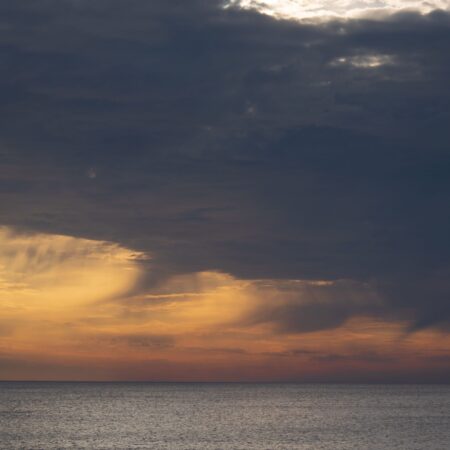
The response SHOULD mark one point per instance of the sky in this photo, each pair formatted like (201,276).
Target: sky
(208,190)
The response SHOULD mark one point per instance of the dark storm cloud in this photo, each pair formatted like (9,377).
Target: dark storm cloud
(225,140)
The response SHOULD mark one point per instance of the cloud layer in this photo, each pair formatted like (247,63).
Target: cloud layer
(219,140)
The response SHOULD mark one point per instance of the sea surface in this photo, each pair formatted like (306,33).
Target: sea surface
(223,416)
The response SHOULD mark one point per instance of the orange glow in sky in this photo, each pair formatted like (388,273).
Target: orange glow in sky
(72,309)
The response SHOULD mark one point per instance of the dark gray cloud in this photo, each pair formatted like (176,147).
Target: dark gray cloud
(225,140)
(309,307)
(302,318)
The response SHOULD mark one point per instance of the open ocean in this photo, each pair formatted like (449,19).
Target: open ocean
(223,416)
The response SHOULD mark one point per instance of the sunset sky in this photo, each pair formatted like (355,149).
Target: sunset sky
(207,190)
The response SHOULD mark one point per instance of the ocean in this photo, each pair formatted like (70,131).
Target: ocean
(223,416)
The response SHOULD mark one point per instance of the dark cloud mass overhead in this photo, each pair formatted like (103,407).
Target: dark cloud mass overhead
(225,140)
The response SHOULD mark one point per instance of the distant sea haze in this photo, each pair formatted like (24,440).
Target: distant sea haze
(48,415)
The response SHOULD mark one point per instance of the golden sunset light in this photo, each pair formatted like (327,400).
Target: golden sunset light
(75,302)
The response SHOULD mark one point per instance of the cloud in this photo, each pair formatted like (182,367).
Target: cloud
(340,171)
(303,307)
(328,10)
(142,341)
(56,278)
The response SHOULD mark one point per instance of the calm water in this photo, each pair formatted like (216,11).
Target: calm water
(223,416)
